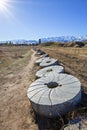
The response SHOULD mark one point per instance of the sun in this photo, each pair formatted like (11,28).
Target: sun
(6,8)
(3,5)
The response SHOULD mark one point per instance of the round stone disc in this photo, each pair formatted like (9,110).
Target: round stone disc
(54,94)
(48,70)
(49,62)
(42,59)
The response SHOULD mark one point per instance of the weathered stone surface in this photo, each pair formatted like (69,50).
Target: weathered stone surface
(48,70)
(42,59)
(55,94)
(49,62)
(40,52)
(44,55)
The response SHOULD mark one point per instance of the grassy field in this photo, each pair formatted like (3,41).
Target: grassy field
(16,74)
(10,55)
(13,59)
(73,59)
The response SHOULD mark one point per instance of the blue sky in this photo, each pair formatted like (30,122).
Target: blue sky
(34,19)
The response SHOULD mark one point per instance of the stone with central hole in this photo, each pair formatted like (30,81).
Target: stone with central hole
(49,70)
(52,85)
(48,62)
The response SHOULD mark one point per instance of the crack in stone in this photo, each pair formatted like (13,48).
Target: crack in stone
(70,83)
(36,93)
(41,96)
(36,89)
(36,85)
(50,97)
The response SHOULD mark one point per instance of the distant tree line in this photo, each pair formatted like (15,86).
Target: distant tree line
(60,44)
(10,43)
(7,43)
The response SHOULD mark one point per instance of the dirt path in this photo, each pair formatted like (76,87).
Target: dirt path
(15,108)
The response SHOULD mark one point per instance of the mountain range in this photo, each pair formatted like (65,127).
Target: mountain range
(63,39)
(20,41)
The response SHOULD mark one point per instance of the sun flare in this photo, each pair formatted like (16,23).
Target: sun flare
(6,8)
(3,5)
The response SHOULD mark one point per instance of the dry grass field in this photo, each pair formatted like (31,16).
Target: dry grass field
(16,73)
(74,61)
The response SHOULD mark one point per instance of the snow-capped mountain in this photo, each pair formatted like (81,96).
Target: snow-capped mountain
(20,41)
(64,39)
